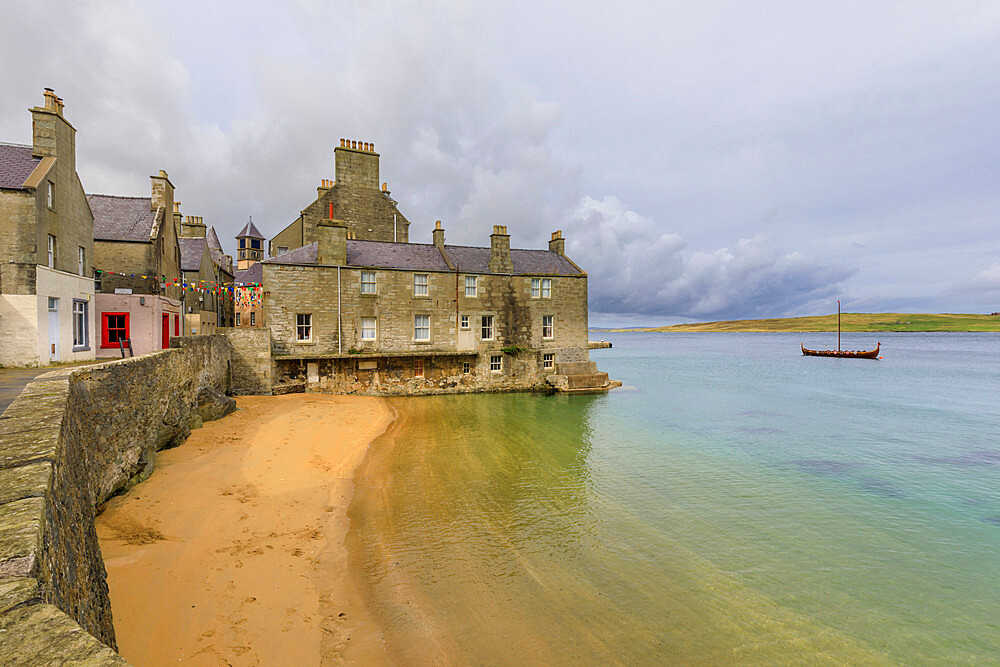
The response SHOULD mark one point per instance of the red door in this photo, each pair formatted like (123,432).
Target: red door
(166,331)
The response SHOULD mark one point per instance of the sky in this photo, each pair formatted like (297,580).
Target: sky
(705,160)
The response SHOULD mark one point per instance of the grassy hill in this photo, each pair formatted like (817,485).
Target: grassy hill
(850,322)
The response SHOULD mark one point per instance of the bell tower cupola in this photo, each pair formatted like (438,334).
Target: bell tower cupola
(249,246)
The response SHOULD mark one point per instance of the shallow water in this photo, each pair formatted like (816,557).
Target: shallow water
(734,501)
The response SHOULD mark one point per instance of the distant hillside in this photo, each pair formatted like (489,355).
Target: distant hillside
(850,322)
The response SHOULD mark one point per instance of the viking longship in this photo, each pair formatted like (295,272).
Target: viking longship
(844,354)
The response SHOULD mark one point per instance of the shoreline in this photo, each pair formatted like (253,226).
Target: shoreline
(234,549)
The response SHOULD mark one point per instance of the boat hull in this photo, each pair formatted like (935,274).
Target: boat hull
(843,354)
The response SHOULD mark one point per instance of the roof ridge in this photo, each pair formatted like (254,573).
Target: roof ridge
(482,247)
(404,243)
(16,145)
(98,194)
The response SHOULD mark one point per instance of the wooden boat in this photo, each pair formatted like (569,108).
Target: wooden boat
(843,354)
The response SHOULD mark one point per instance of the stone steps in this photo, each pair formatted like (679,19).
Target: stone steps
(576,368)
(587,381)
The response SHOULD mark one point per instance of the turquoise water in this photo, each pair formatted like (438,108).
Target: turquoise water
(733,501)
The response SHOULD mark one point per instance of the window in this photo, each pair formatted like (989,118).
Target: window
(80,328)
(81,261)
(418,368)
(541,288)
(546,326)
(367,282)
(465,321)
(421,327)
(114,327)
(419,284)
(51,199)
(466,368)
(255,244)
(282,249)
(52,251)
(243,243)
(548,360)
(253,318)
(177,325)
(496,363)
(487,327)
(303,327)
(471,286)
(237,319)
(368,328)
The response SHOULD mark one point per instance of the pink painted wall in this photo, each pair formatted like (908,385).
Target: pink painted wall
(145,321)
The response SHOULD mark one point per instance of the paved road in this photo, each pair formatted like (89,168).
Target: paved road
(12,381)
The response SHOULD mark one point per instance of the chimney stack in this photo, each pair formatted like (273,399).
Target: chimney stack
(557,243)
(193,227)
(356,163)
(500,261)
(332,243)
(162,192)
(438,234)
(51,134)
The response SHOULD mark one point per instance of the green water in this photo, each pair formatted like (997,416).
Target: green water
(734,501)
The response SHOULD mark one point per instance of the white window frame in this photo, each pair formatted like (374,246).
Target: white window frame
(421,284)
(282,249)
(369,282)
(463,322)
(237,319)
(541,288)
(472,287)
(487,328)
(81,325)
(253,318)
(52,252)
(548,328)
(51,196)
(81,261)
(373,328)
(549,360)
(466,368)
(303,327)
(496,363)
(422,324)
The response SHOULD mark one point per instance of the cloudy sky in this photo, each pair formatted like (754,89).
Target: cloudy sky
(706,160)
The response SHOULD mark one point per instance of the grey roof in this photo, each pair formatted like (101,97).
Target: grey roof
(191,251)
(215,251)
(252,274)
(251,231)
(477,260)
(426,257)
(122,218)
(16,164)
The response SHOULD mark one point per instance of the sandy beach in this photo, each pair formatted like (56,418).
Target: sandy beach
(233,550)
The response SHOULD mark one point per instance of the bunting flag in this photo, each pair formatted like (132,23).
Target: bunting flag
(244,293)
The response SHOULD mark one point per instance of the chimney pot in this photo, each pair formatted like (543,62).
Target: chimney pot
(385,187)
(354,144)
(437,224)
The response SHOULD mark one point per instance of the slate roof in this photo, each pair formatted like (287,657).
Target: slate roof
(122,218)
(16,164)
(215,251)
(426,257)
(251,231)
(191,250)
(251,274)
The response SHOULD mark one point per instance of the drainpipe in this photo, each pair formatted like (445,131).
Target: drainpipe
(394,238)
(340,330)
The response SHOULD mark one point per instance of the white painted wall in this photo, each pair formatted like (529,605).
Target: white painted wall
(65,287)
(18,330)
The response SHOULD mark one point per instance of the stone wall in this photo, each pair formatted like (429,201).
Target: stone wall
(67,443)
(251,362)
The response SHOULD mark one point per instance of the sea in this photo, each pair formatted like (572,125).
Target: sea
(734,501)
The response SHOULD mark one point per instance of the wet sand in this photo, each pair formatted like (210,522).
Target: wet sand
(234,550)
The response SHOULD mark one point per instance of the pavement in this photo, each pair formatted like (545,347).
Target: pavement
(12,381)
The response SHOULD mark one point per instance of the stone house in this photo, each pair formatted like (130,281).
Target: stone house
(207,276)
(137,259)
(46,246)
(354,311)
(246,288)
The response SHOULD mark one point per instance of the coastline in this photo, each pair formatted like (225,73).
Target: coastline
(234,549)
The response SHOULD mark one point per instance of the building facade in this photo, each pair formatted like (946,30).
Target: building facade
(137,259)
(46,246)
(247,286)
(354,311)
(207,277)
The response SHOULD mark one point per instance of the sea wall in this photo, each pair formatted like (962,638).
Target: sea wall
(67,443)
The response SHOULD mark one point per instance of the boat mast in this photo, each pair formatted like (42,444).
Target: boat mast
(838,325)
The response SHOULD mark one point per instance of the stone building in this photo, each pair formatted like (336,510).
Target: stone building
(46,246)
(350,310)
(207,276)
(137,260)
(246,287)
(354,198)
